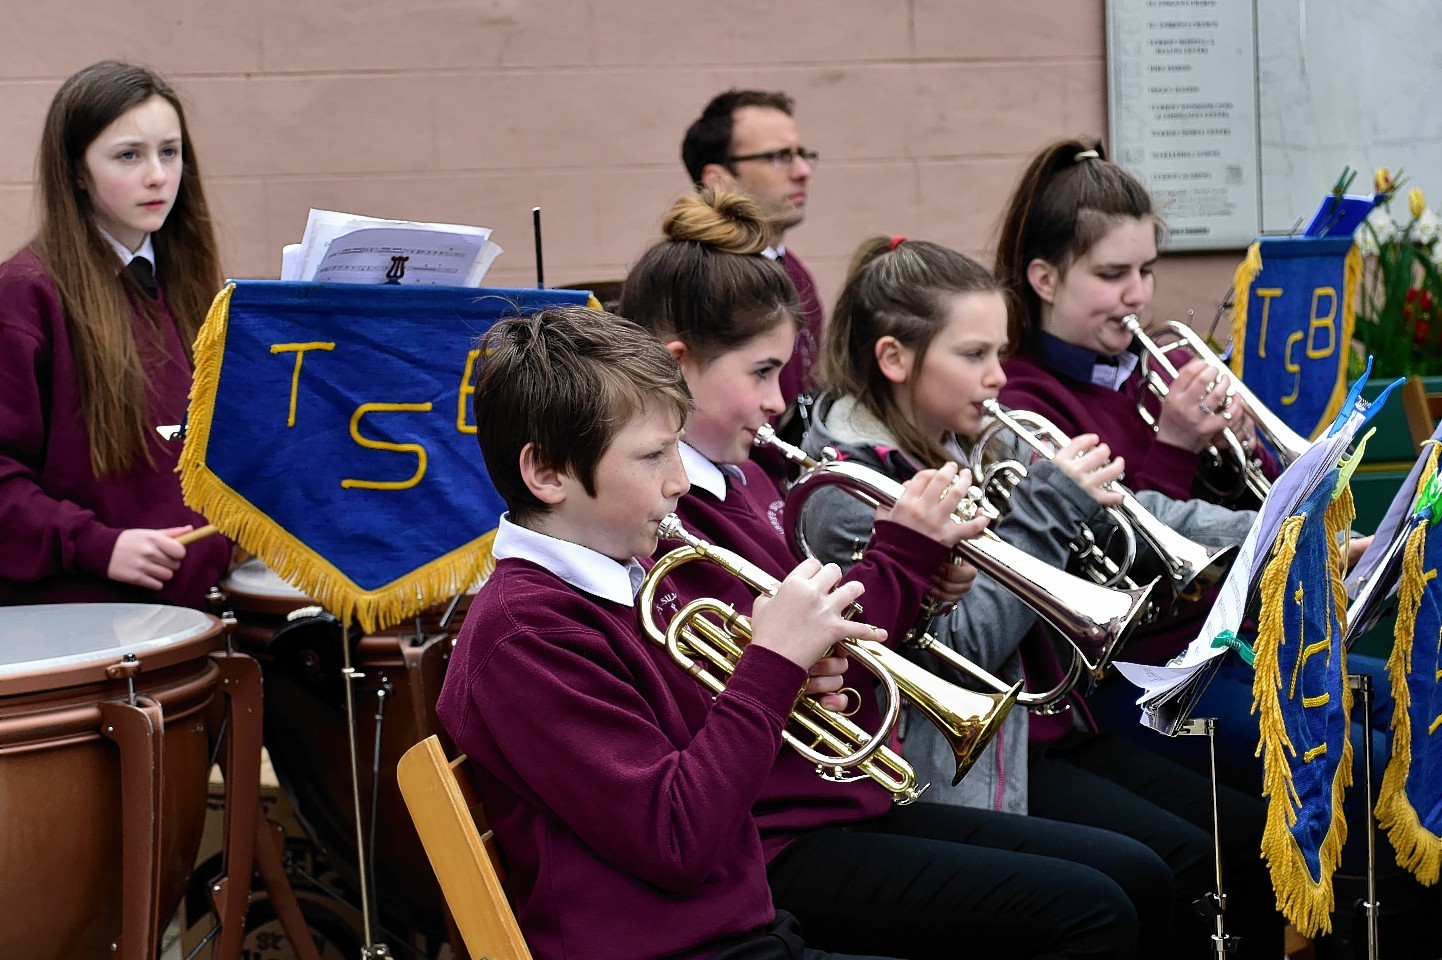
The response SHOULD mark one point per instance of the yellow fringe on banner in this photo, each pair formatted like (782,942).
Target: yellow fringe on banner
(1247,271)
(1307,903)
(1351,283)
(1418,848)
(241,521)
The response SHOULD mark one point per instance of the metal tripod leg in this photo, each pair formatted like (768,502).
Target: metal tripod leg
(1214,903)
(1361,684)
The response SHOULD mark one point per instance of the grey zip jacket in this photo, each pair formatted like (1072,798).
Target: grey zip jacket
(990,622)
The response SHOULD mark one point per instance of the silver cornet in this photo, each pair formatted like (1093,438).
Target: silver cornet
(1191,568)
(708,635)
(1095,620)
(1286,443)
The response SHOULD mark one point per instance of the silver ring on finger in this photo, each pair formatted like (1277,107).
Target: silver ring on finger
(1205,408)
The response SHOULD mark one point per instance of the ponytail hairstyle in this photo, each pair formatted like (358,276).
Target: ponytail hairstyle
(1067,200)
(895,288)
(707,284)
(99,299)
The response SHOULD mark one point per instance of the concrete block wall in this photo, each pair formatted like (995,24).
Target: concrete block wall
(474,111)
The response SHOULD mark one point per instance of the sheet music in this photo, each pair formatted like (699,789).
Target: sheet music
(1165,690)
(350,248)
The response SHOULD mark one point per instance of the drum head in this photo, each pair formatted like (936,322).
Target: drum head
(56,645)
(253,579)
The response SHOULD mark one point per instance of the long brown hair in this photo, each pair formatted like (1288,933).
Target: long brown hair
(902,289)
(1067,200)
(707,284)
(99,303)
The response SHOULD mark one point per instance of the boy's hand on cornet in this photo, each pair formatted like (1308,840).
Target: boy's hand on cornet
(808,614)
(825,681)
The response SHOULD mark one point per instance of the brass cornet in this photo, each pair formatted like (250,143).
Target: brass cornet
(1095,620)
(708,635)
(1286,443)
(1191,568)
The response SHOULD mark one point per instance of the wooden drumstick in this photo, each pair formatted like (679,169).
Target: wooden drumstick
(188,538)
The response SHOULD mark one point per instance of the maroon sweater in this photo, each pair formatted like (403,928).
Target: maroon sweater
(620,792)
(796,377)
(1078,407)
(58,521)
(895,569)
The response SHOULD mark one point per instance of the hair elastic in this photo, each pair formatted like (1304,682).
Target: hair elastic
(1086,155)
(896,242)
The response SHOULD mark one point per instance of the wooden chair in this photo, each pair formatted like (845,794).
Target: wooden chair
(1422,411)
(608,292)
(440,796)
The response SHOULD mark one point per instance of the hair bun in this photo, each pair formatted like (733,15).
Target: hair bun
(729,222)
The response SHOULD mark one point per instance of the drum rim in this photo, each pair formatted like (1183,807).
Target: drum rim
(191,642)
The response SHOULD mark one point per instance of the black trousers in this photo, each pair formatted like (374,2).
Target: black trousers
(934,882)
(782,941)
(1109,782)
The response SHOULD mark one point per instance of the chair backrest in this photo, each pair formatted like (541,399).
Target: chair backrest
(1422,409)
(440,796)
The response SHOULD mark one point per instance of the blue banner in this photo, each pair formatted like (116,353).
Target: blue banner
(1409,804)
(1303,700)
(331,434)
(1295,308)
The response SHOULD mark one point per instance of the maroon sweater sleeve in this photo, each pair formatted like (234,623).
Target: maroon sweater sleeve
(44,535)
(568,714)
(58,520)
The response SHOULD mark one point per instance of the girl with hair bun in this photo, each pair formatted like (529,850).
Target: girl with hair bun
(97,319)
(861,874)
(913,351)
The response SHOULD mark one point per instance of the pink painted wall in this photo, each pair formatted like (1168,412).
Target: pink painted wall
(474,111)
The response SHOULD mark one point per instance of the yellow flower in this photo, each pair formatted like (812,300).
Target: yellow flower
(1383,181)
(1416,202)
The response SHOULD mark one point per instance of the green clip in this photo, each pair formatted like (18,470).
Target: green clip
(1426,504)
(1231,641)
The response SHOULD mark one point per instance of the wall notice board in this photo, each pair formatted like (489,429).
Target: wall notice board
(1240,114)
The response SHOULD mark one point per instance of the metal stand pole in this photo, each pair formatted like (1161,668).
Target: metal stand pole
(1361,684)
(371,949)
(1214,904)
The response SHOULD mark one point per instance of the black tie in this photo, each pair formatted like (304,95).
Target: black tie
(144,275)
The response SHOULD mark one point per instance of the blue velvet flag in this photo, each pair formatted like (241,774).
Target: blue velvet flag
(331,434)
(1295,308)
(1303,700)
(1409,804)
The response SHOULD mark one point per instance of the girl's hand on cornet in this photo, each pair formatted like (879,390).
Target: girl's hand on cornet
(1192,410)
(929,502)
(952,580)
(1088,461)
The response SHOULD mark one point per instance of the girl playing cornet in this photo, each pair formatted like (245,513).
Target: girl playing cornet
(913,351)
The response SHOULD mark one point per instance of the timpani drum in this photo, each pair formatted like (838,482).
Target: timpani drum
(400,675)
(104,758)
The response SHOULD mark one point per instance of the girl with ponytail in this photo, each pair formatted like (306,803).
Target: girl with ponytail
(914,348)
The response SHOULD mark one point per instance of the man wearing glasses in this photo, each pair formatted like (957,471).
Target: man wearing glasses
(746,141)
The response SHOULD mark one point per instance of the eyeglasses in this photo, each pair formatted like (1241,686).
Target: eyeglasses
(780,158)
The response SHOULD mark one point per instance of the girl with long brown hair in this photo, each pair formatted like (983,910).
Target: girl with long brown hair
(98,314)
